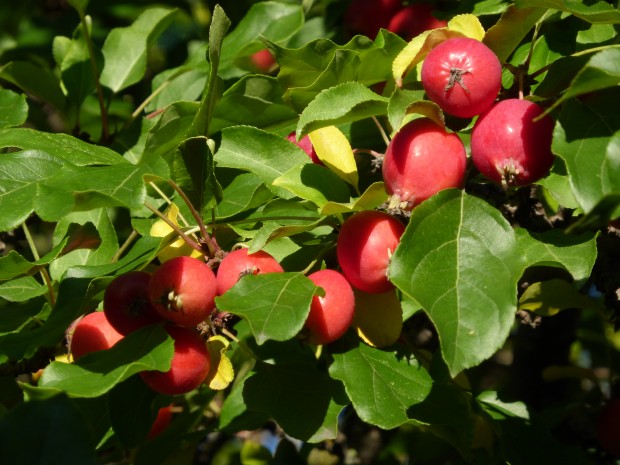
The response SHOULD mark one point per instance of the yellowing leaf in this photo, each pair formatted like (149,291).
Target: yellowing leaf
(179,247)
(466,25)
(221,372)
(378,318)
(334,150)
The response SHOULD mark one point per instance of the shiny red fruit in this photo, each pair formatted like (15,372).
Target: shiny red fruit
(262,61)
(92,333)
(413,20)
(126,302)
(330,315)
(509,147)
(161,422)
(239,263)
(364,248)
(183,290)
(189,366)
(306,145)
(421,160)
(463,76)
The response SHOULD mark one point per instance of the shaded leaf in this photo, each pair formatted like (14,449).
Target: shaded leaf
(35,80)
(378,318)
(292,391)
(21,289)
(548,298)
(381,385)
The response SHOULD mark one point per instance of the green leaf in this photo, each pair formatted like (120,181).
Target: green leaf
(13,109)
(214,85)
(125,48)
(341,104)
(131,411)
(575,253)
(315,183)
(322,64)
(293,391)
(76,70)
(600,72)
(79,5)
(104,236)
(458,259)
(35,80)
(272,230)
(370,199)
(547,298)
(404,102)
(21,289)
(594,12)
(244,192)
(276,21)
(20,175)
(192,170)
(46,442)
(514,24)
(252,100)
(149,348)
(170,130)
(587,137)
(275,305)
(267,155)
(61,146)
(381,385)
(517,423)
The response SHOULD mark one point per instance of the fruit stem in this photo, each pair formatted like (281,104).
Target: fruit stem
(42,270)
(191,242)
(132,237)
(168,200)
(384,135)
(242,344)
(211,245)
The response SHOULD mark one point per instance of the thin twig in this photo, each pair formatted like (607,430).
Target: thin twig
(191,242)
(42,270)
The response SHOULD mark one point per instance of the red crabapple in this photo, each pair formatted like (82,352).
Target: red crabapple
(189,366)
(306,145)
(239,263)
(422,159)
(330,315)
(262,61)
(366,17)
(91,333)
(607,427)
(413,20)
(509,147)
(364,247)
(462,75)
(183,290)
(161,422)
(126,302)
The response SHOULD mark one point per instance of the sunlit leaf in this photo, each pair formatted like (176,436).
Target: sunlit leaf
(334,150)
(221,372)
(177,248)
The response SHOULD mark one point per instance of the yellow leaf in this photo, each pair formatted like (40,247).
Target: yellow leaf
(334,150)
(221,372)
(177,248)
(378,318)
(466,25)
